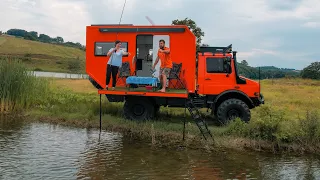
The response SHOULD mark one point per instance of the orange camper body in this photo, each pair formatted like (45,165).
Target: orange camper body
(208,78)
(143,44)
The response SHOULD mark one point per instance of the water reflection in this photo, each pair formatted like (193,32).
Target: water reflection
(97,156)
(44,151)
(281,167)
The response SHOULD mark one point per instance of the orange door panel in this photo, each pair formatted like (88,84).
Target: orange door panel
(218,76)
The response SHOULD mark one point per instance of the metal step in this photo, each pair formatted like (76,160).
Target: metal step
(198,102)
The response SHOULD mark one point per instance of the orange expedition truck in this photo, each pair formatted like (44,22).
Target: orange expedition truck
(205,79)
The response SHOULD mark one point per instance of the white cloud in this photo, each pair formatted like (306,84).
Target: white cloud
(311,24)
(256,53)
(259,10)
(52,17)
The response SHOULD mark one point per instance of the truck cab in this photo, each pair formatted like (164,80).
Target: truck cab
(219,82)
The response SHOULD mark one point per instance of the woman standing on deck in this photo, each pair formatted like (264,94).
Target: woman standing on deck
(114,63)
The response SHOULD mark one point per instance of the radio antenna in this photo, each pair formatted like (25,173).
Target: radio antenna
(124,5)
(150,21)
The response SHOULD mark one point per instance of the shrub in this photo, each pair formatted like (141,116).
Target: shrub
(74,65)
(38,69)
(309,128)
(270,124)
(267,123)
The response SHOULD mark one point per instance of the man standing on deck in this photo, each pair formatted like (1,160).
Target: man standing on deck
(166,63)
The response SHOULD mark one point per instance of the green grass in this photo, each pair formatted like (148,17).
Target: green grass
(292,96)
(43,56)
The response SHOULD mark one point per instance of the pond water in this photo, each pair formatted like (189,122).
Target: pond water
(46,151)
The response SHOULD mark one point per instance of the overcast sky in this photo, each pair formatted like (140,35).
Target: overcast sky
(283,33)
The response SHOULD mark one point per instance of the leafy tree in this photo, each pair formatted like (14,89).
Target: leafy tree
(193,27)
(17,32)
(30,36)
(60,39)
(0,33)
(45,38)
(312,71)
(244,62)
(74,65)
(33,34)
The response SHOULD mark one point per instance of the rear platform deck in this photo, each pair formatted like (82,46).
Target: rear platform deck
(141,91)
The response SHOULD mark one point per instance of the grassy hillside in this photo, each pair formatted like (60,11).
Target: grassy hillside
(43,56)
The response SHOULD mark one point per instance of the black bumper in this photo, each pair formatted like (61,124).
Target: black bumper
(258,101)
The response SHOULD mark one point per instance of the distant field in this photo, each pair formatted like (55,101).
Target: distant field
(293,96)
(43,56)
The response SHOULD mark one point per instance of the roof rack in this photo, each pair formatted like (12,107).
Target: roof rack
(214,50)
(111,24)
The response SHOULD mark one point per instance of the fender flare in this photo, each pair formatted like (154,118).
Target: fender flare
(213,107)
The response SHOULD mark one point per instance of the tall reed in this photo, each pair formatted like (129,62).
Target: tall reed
(18,87)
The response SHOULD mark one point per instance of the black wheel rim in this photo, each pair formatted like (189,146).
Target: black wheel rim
(233,114)
(138,110)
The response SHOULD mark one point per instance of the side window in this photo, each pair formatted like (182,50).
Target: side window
(102,48)
(218,65)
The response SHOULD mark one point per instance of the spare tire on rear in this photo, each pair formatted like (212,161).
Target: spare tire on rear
(94,83)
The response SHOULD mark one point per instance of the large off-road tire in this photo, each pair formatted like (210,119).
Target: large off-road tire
(156,110)
(230,109)
(94,83)
(138,109)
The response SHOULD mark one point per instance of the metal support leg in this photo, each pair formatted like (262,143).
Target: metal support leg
(184,120)
(100,112)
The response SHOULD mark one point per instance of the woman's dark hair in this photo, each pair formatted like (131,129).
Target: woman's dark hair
(116,42)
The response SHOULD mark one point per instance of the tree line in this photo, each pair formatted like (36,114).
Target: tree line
(269,72)
(265,72)
(34,36)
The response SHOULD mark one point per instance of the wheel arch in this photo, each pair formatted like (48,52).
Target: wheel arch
(151,99)
(228,95)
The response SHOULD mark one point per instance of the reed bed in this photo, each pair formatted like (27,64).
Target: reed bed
(19,89)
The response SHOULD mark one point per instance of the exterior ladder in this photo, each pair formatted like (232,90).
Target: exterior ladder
(195,113)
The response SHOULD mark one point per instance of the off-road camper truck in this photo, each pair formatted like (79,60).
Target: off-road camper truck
(215,84)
